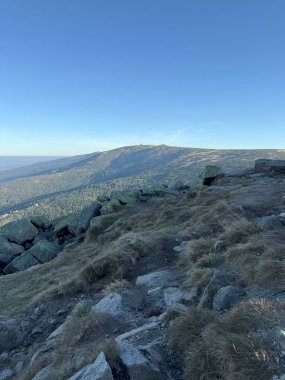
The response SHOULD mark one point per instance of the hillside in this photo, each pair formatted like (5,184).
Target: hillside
(171,285)
(13,162)
(69,184)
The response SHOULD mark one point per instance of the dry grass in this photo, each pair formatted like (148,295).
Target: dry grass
(235,346)
(83,337)
(239,231)
(188,328)
(198,248)
(210,261)
(116,286)
(198,278)
(268,270)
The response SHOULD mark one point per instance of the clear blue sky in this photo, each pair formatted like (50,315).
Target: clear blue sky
(78,76)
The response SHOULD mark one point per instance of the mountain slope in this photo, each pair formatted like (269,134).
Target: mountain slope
(66,185)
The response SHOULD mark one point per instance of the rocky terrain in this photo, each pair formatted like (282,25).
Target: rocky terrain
(67,185)
(170,283)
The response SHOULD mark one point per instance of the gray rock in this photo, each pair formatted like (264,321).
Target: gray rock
(219,246)
(221,279)
(5,259)
(125,197)
(41,221)
(111,304)
(102,198)
(138,330)
(77,223)
(269,222)
(46,373)
(87,214)
(282,218)
(99,370)
(269,166)
(9,248)
(180,186)
(226,297)
(101,222)
(37,331)
(44,251)
(113,206)
(160,279)
(209,174)
(19,231)
(137,365)
(25,261)
(6,374)
(175,295)
(38,238)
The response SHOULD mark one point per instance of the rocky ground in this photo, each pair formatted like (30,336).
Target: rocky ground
(161,284)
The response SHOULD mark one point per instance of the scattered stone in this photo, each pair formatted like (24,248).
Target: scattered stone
(137,365)
(226,297)
(160,279)
(129,334)
(174,295)
(111,304)
(37,331)
(155,292)
(99,370)
(44,251)
(25,261)
(19,231)
(269,166)
(269,222)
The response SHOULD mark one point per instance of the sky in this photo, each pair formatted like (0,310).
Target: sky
(79,76)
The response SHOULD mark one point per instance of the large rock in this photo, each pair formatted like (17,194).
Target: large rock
(101,222)
(45,373)
(269,222)
(44,251)
(209,174)
(137,365)
(25,261)
(5,259)
(10,248)
(75,224)
(19,231)
(226,297)
(111,304)
(40,221)
(99,370)
(269,166)
(160,279)
(114,205)
(125,197)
